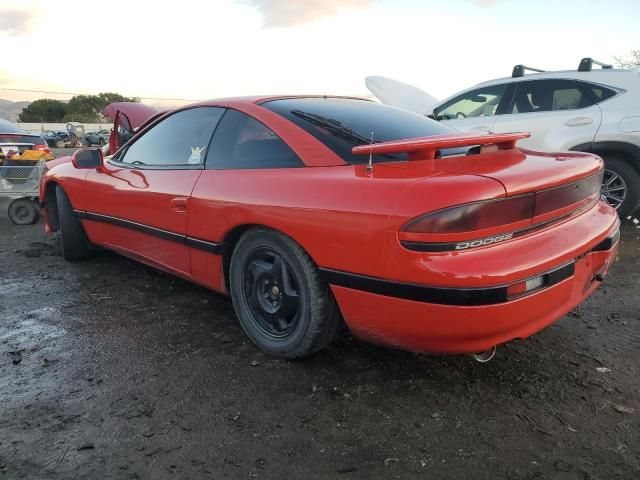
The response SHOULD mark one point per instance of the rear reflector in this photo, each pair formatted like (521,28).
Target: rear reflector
(518,289)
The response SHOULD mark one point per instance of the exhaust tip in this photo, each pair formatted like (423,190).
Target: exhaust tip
(484,357)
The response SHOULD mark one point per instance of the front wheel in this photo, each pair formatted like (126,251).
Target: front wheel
(281,301)
(60,144)
(620,186)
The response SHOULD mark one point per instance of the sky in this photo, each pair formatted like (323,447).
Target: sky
(195,50)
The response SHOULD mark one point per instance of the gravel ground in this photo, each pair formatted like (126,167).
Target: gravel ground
(109,369)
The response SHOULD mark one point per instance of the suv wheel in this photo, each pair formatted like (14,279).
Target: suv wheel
(620,186)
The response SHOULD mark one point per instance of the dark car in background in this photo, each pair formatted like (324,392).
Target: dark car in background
(14,141)
(100,137)
(61,139)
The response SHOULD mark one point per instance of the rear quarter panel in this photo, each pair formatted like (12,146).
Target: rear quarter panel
(343,217)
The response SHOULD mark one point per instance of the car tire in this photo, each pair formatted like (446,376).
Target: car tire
(75,244)
(282,302)
(60,144)
(101,142)
(619,173)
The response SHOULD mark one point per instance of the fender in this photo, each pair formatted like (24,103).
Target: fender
(628,149)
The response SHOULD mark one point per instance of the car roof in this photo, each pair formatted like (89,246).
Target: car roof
(608,77)
(593,75)
(257,99)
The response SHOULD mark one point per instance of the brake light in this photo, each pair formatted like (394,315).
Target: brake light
(43,147)
(475,216)
(489,222)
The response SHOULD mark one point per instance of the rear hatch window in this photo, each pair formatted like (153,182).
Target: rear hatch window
(344,123)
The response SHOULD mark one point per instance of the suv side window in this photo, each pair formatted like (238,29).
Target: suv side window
(549,95)
(242,142)
(482,102)
(599,92)
(180,140)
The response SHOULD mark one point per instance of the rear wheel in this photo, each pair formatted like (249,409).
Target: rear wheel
(75,245)
(60,144)
(24,211)
(620,186)
(283,304)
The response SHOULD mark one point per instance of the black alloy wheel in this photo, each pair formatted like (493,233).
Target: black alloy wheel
(283,304)
(271,293)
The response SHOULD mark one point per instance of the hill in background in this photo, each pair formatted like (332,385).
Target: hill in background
(10,110)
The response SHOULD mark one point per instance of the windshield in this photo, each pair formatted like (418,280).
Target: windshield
(342,124)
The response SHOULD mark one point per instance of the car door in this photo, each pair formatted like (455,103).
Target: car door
(559,114)
(475,109)
(141,196)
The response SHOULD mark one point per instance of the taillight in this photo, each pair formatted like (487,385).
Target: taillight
(489,222)
(474,216)
(43,147)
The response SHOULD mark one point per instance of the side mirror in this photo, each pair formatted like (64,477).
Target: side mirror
(87,158)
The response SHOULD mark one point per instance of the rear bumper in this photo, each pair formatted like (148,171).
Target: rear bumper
(438,327)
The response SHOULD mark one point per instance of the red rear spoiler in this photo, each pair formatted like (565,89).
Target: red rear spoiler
(425,148)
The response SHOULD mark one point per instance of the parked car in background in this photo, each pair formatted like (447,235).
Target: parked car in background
(60,139)
(589,110)
(314,210)
(14,141)
(97,138)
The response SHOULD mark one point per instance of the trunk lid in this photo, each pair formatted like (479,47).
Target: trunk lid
(524,171)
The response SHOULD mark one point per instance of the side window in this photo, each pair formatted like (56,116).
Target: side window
(599,92)
(178,140)
(242,142)
(482,102)
(549,95)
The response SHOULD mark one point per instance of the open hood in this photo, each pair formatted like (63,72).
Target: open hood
(137,113)
(402,95)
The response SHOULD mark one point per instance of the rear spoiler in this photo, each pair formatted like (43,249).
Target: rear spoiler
(425,148)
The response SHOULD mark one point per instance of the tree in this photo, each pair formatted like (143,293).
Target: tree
(81,108)
(629,61)
(89,108)
(44,110)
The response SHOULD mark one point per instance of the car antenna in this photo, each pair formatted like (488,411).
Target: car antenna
(370,164)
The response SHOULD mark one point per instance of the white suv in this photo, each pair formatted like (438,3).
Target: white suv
(585,110)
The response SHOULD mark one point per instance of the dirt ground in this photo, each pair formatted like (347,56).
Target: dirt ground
(109,369)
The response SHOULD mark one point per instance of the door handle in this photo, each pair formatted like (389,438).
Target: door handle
(482,128)
(577,121)
(179,204)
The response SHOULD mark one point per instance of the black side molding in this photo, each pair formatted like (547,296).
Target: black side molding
(207,246)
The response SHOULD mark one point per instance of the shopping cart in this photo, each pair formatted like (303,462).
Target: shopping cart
(21,183)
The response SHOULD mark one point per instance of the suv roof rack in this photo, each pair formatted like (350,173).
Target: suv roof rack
(586,64)
(518,70)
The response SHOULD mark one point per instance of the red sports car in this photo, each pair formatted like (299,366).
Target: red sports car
(311,211)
